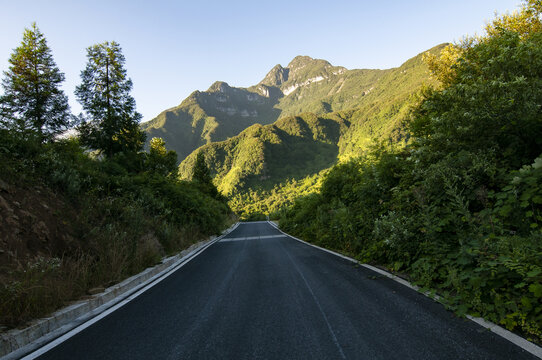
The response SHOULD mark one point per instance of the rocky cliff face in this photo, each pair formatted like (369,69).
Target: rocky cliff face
(301,71)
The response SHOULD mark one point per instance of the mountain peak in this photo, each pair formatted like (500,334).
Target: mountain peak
(303,60)
(276,76)
(219,86)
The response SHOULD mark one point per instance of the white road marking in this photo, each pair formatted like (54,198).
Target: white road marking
(97,318)
(333,336)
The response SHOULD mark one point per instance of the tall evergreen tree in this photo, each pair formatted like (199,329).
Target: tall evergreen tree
(33,101)
(112,122)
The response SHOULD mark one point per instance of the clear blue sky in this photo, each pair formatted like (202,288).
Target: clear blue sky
(175,47)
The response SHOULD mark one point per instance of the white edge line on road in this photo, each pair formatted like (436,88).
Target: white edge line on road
(150,283)
(502,332)
(322,312)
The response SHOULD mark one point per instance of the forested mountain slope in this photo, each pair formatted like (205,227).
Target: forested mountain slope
(305,85)
(266,166)
(262,156)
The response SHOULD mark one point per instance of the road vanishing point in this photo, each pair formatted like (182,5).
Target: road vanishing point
(260,294)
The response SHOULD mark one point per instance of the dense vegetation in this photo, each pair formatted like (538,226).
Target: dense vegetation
(259,203)
(266,167)
(459,210)
(255,159)
(78,217)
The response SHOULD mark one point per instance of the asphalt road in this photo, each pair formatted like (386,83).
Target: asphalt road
(258,294)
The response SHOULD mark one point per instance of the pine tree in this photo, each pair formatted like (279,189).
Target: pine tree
(33,101)
(112,122)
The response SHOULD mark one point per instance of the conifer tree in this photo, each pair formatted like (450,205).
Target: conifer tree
(33,101)
(112,122)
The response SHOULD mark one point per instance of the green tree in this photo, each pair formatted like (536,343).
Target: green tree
(492,96)
(200,172)
(159,159)
(33,101)
(202,176)
(112,122)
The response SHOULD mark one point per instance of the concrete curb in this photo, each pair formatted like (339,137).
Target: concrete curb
(502,332)
(18,342)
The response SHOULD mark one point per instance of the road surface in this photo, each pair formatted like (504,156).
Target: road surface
(258,294)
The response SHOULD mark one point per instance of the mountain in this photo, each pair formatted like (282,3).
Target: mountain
(270,142)
(383,109)
(305,85)
(213,115)
(262,156)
